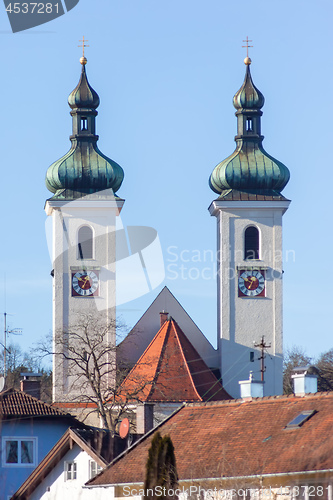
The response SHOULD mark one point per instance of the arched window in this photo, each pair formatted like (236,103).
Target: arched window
(251,250)
(85,243)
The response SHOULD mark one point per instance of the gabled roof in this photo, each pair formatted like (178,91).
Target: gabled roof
(16,404)
(143,332)
(237,438)
(171,369)
(96,442)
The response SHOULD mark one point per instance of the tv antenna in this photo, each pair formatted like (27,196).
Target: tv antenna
(7,331)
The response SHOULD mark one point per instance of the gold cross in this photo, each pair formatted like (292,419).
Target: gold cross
(247,46)
(83,45)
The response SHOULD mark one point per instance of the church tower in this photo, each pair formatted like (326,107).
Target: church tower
(83,208)
(249,211)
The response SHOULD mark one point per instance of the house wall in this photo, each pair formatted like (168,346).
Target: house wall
(56,487)
(46,432)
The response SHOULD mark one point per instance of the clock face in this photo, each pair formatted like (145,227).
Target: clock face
(84,283)
(251,284)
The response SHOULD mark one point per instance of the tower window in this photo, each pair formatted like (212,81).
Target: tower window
(85,243)
(84,123)
(251,243)
(249,124)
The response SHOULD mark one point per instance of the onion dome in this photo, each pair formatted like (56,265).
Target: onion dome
(248,96)
(249,169)
(84,169)
(83,96)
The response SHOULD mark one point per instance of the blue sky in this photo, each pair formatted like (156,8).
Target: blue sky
(166,72)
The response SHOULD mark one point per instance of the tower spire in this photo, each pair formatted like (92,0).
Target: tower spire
(249,168)
(84,169)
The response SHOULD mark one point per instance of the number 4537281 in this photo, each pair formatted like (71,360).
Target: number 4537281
(32,7)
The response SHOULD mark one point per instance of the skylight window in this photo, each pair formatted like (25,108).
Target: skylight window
(300,419)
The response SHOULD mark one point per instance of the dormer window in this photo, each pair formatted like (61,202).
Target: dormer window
(251,246)
(85,243)
(84,123)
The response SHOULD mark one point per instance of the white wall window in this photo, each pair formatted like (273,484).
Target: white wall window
(70,471)
(85,243)
(20,452)
(251,243)
(94,469)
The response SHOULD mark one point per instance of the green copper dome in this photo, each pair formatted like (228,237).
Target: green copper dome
(83,96)
(249,169)
(84,169)
(248,96)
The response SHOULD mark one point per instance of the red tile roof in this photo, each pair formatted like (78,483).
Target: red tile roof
(171,369)
(16,404)
(238,438)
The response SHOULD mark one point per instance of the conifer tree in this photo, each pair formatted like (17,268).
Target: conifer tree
(161,468)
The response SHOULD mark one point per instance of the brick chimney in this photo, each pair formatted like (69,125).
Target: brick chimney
(30,384)
(163,318)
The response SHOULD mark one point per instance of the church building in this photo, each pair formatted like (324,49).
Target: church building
(249,209)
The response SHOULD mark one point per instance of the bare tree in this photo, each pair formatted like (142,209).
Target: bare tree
(18,361)
(325,367)
(88,355)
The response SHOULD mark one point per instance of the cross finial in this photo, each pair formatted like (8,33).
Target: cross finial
(247,60)
(83,59)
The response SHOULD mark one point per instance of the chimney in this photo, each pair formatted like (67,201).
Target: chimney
(251,388)
(305,379)
(144,418)
(30,384)
(163,318)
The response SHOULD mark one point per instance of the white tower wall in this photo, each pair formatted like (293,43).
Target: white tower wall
(243,321)
(69,310)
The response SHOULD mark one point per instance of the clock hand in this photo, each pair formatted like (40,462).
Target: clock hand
(252,280)
(85,280)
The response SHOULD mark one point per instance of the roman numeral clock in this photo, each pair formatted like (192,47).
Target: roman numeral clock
(85,283)
(251,283)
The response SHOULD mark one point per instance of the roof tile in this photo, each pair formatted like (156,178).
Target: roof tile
(17,404)
(172,370)
(238,438)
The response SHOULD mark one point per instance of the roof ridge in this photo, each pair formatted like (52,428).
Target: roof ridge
(158,364)
(139,363)
(176,326)
(264,399)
